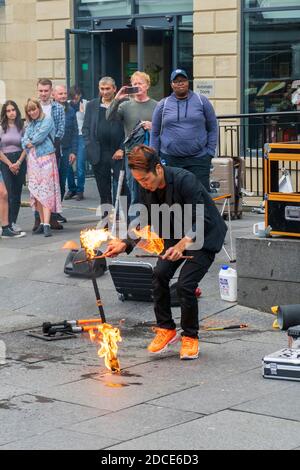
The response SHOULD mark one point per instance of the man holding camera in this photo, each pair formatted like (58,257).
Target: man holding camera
(133,105)
(103,141)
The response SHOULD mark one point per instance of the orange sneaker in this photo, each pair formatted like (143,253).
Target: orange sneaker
(189,348)
(162,340)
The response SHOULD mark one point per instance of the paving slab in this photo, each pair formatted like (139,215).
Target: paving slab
(9,391)
(60,439)
(51,413)
(134,422)
(35,378)
(223,431)
(219,394)
(278,403)
(161,376)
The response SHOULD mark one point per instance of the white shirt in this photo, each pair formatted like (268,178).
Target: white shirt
(47,109)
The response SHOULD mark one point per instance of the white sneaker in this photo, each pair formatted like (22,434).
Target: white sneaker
(16,227)
(9,233)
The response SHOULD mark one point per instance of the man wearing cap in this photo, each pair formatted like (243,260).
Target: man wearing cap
(185,129)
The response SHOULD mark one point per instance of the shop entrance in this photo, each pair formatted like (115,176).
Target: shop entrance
(119,47)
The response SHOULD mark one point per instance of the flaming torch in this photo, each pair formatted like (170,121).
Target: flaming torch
(103,334)
(151,243)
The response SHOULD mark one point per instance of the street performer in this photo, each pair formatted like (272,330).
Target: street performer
(171,186)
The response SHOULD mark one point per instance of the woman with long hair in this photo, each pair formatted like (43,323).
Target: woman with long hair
(12,156)
(43,179)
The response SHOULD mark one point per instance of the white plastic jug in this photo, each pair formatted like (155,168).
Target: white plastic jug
(228,283)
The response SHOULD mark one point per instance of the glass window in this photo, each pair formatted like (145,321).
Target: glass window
(185,44)
(271,3)
(272,61)
(103,7)
(165,6)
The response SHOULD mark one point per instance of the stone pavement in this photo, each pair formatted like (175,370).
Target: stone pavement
(58,395)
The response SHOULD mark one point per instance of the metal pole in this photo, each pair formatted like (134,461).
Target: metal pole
(103,54)
(67,44)
(93,63)
(140,47)
(97,294)
(175,44)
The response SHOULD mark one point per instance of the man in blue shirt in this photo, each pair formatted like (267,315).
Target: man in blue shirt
(185,129)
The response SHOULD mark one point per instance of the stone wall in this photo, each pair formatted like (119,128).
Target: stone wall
(32,45)
(216,52)
(53,17)
(18,48)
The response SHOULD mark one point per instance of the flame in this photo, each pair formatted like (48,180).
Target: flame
(108,337)
(70,245)
(150,240)
(91,239)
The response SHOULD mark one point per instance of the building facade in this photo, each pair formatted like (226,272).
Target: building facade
(243,54)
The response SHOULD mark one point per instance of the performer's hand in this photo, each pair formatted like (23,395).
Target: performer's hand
(176,252)
(114,248)
(173,254)
(118,155)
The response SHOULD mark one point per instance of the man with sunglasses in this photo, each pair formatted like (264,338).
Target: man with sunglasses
(185,129)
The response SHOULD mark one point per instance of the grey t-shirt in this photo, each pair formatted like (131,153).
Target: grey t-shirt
(131,112)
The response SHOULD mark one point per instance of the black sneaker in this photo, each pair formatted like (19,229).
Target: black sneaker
(55,225)
(39,230)
(37,222)
(9,233)
(69,195)
(61,219)
(47,231)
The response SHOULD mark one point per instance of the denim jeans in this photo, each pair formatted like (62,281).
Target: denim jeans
(133,188)
(63,169)
(80,168)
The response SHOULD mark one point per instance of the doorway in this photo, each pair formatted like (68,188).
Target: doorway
(119,47)
(119,57)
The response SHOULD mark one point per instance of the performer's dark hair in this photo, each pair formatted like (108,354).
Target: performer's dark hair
(143,158)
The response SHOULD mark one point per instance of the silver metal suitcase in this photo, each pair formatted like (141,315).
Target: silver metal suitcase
(283,365)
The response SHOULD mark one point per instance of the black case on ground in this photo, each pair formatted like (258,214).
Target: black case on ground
(99,266)
(133,281)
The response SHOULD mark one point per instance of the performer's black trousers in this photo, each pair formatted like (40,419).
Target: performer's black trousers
(190,275)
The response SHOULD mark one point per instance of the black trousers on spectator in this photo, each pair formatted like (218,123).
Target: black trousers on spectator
(199,166)
(190,275)
(14,185)
(103,175)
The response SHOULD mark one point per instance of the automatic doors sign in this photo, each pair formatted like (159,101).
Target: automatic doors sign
(205,87)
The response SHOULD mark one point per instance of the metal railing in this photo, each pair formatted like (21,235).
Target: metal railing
(244,135)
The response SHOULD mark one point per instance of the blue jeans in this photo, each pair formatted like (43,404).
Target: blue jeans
(80,168)
(63,169)
(133,186)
